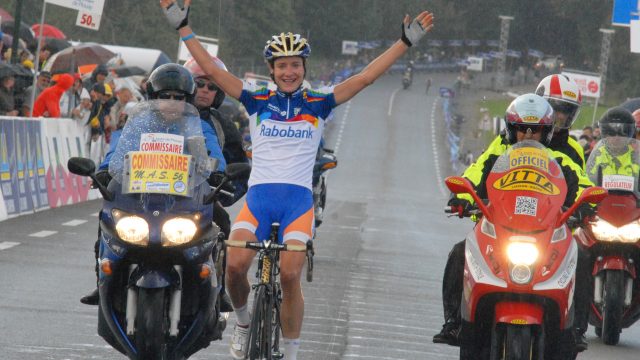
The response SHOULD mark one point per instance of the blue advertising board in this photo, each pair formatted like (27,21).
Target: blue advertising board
(624,11)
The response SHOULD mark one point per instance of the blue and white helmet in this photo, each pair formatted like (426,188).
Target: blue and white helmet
(529,111)
(286,44)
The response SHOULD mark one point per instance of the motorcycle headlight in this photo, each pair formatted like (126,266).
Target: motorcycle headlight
(178,231)
(132,229)
(604,231)
(520,253)
(521,274)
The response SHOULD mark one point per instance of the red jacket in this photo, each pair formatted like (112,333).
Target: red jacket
(49,99)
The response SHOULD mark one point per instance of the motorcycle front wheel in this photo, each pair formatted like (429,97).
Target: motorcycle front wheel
(151,324)
(613,307)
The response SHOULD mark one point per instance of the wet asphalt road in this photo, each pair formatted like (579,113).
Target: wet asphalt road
(379,259)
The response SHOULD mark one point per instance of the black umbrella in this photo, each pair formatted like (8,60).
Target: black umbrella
(24,33)
(631,104)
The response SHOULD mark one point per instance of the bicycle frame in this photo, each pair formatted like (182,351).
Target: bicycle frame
(264,337)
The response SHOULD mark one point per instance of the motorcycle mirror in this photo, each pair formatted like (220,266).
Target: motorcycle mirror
(594,195)
(460,185)
(81,166)
(86,167)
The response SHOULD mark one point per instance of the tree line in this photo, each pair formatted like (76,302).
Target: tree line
(569,28)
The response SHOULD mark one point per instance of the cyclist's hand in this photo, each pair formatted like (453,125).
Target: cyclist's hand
(177,16)
(413,31)
(460,206)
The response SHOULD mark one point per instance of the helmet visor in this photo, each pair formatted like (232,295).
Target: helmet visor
(618,129)
(564,113)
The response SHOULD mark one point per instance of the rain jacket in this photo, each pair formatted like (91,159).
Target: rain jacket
(49,100)
(625,164)
(561,141)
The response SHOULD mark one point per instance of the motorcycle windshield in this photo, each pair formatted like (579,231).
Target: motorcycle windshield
(614,164)
(162,150)
(526,183)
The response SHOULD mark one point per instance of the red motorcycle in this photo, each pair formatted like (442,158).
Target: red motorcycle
(613,239)
(520,260)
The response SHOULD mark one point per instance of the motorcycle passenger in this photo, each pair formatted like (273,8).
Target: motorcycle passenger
(168,81)
(516,130)
(564,96)
(286,127)
(208,99)
(617,156)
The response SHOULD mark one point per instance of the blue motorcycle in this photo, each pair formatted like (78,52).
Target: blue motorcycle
(159,248)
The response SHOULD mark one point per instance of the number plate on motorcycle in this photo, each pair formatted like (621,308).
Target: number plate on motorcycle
(618,182)
(157,172)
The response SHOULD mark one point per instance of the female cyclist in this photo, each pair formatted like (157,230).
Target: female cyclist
(286,127)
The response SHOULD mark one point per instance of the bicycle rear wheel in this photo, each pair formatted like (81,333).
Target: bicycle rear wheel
(259,346)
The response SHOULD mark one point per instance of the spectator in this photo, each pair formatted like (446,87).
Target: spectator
(124,96)
(7,102)
(45,54)
(71,98)
(81,114)
(98,76)
(42,82)
(48,103)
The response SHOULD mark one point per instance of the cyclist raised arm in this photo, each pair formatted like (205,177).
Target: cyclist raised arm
(286,129)
(412,32)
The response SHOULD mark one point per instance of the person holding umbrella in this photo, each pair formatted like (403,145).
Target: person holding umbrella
(7,102)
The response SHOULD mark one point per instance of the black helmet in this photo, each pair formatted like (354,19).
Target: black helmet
(617,121)
(171,77)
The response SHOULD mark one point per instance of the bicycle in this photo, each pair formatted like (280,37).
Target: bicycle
(264,332)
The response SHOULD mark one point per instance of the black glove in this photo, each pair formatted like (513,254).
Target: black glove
(103,177)
(216,178)
(584,214)
(460,206)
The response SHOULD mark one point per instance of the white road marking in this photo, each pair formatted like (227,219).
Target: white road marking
(43,233)
(8,244)
(393,96)
(342,123)
(434,145)
(74,222)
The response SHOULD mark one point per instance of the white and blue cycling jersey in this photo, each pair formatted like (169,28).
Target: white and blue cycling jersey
(285,132)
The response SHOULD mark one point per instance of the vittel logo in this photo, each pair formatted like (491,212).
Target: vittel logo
(288,132)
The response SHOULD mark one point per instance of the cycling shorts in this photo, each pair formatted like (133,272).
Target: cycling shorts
(289,205)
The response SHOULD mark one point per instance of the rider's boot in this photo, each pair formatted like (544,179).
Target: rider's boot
(93,298)
(449,334)
(581,340)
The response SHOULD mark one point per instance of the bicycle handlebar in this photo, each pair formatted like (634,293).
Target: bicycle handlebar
(263,246)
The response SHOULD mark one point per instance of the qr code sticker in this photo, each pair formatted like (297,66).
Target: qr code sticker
(526,205)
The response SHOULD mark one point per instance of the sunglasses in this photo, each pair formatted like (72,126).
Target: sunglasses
(524,128)
(211,86)
(167,96)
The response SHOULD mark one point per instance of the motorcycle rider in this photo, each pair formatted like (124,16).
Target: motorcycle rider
(564,96)
(516,130)
(280,181)
(168,81)
(617,125)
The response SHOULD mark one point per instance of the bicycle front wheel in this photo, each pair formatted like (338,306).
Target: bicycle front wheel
(259,346)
